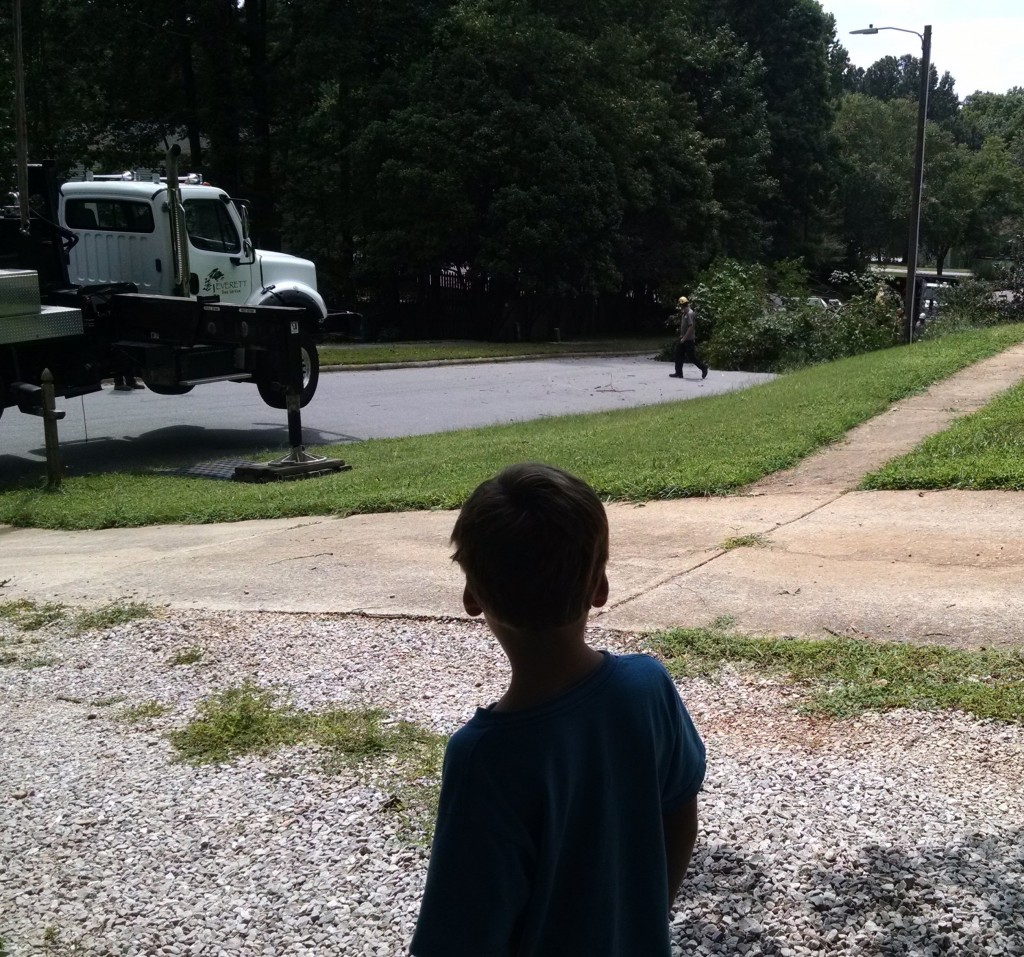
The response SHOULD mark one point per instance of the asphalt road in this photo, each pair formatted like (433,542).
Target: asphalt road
(138,430)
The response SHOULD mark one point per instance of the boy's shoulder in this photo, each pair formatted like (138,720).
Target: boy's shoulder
(638,672)
(630,677)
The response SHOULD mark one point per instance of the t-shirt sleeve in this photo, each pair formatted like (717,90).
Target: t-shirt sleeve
(685,761)
(477,877)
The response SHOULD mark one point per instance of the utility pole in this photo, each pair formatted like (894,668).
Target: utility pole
(910,296)
(21,132)
(910,301)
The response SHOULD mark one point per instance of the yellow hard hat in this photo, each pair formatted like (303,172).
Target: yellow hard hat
(682,300)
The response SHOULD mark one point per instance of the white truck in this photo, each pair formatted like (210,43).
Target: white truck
(140,256)
(186,239)
(125,233)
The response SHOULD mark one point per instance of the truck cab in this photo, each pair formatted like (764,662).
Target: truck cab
(124,231)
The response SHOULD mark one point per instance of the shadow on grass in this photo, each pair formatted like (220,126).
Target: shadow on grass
(169,447)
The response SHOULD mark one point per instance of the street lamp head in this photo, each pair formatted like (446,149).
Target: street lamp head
(872,29)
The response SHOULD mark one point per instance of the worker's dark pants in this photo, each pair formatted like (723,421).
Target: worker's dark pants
(687,352)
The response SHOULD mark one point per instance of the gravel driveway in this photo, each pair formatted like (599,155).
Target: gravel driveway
(891,834)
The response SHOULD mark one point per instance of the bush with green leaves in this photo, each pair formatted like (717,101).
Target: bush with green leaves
(871,318)
(762,320)
(1012,281)
(730,298)
(966,305)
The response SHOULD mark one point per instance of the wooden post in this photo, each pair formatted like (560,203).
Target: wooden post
(53,466)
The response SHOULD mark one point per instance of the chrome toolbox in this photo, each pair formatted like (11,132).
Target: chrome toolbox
(49,322)
(19,292)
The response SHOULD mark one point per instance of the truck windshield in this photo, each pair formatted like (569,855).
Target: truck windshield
(210,227)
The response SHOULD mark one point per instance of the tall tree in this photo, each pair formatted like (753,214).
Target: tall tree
(793,39)
(874,142)
(975,198)
(995,114)
(548,152)
(724,79)
(892,78)
(349,64)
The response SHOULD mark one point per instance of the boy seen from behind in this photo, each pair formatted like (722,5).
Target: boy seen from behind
(568,808)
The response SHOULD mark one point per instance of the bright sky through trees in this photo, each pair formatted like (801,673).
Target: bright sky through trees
(978,42)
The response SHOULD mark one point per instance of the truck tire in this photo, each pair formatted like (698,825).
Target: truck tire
(169,389)
(274,395)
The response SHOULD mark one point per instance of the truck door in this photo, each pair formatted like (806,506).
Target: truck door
(215,254)
(118,242)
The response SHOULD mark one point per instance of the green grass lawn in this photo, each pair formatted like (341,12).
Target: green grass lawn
(980,451)
(378,352)
(697,447)
(843,677)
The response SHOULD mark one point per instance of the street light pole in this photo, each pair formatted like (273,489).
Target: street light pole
(910,297)
(21,136)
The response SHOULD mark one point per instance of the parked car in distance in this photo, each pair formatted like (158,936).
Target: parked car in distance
(931,299)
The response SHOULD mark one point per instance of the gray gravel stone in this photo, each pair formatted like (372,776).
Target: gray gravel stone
(888,834)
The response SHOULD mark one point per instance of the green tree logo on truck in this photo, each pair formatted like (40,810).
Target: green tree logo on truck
(212,278)
(216,283)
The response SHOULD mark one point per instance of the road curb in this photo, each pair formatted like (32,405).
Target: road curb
(482,360)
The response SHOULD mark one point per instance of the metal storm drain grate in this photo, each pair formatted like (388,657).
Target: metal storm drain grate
(223,470)
(244,470)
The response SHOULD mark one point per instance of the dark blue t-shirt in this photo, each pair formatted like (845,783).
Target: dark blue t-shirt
(549,839)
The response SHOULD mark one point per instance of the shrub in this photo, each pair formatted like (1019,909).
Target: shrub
(762,321)
(870,319)
(969,304)
(1012,281)
(731,298)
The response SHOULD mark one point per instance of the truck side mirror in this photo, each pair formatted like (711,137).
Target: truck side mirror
(243,213)
(248,256)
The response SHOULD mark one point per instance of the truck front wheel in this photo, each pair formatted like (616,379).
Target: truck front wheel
(273,393)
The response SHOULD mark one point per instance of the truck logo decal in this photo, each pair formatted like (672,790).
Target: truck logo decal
(215,282)
(211,280)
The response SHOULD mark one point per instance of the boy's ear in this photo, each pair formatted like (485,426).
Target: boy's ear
(470,603)
(600,592)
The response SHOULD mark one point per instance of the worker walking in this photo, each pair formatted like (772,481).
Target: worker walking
(686,347)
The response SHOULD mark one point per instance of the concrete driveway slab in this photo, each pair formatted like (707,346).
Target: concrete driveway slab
(941,568)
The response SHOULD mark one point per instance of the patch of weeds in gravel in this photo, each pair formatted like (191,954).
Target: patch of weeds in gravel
(107,701)
(397,756)
(28,615)
(187,656)
(142,712)
(7,658)
(756,540)
(845,676)
(238,720)
(111,615)
(22,639)
(29,664)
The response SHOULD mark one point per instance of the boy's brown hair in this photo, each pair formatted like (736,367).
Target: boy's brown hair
(532,542)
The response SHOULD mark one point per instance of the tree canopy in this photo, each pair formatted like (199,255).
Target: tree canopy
(582,151)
